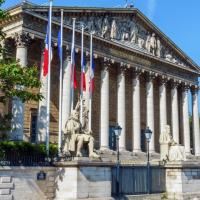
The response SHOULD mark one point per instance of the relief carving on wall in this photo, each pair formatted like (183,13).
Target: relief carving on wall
(128,32)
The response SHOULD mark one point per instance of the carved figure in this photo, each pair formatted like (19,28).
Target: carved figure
(141,42)
(147,45)
(133,32)
(152,44)
(158,48)
(105,27)
(113,33)
(75,136)
(124,34)
(168,57)
(169,149)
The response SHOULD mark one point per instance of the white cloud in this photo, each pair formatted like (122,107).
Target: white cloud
(151,8)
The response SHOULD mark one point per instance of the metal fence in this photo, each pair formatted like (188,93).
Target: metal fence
(25,158)
(133,180)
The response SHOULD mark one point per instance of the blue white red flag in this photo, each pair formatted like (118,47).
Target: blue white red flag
(92,67)
(46,53)
(83,78)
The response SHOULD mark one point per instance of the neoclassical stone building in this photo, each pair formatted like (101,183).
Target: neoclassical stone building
(141,77)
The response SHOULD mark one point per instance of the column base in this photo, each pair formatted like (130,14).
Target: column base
(104,148)
(137,150)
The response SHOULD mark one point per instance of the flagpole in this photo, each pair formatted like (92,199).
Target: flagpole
(90,99)
(61,86)
(81,94)
(72,64)
(49,78)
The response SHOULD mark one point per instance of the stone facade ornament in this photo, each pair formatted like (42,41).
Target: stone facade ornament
(105,28)
(77,134)
(113,32)
(22,39)
(169,149)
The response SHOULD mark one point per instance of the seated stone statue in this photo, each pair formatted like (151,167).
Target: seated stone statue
(169,149)
(75,136)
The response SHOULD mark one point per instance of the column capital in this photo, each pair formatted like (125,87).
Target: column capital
(174,83)
(163,80)
(150,76)
(136,72)
(185,87)
(107,62)
(194,89)
(22,39)
(123,67)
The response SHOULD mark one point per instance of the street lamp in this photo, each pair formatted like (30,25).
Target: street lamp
(117,130)
(148,134)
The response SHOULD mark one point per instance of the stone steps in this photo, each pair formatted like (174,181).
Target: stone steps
(6,185)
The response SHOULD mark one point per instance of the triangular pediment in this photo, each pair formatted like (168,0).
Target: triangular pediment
(127,27)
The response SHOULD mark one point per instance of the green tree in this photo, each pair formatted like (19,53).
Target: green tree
(15,81)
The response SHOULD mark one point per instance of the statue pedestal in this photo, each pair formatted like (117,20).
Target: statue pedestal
(164,151)
(82,179)
(183,180)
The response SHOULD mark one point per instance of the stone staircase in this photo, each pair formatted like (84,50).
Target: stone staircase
(6,185)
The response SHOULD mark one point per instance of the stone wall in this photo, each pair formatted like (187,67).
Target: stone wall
(21,183)
(182,181)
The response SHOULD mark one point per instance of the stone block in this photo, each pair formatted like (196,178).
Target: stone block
(4,191)
(6,197)
(6,179)
(6,185)
(51,178)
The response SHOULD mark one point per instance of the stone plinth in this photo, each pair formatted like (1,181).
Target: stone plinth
(83,179)
(183,180)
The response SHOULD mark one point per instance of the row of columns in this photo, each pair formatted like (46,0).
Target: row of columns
(18,107)
(136,123)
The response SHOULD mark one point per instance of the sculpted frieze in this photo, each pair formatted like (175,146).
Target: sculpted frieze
(129,32)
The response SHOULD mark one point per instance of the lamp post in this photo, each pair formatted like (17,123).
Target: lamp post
(117,130)
(148,134)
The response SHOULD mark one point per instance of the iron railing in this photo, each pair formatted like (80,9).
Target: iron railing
(13,158)
(133,180)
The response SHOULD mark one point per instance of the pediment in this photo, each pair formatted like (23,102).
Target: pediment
(128,27)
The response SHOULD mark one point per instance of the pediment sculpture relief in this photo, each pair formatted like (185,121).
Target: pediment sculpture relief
(129,32)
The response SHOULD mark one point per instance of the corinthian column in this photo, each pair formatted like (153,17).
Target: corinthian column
(163,104)
(174,112)
(186,126)
(104,125)
(136,112)
(66,107)
(17,124)
(150,109)
(121,112)
(195,121)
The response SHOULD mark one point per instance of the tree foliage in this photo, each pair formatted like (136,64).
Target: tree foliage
(15,81)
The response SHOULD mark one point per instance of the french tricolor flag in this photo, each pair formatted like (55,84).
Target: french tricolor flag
(83,78)
(46,54)
(47,50)
(92,67)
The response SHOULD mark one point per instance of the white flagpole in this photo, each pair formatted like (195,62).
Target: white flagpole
(90,99)
(61,86)
(82,62)
(72,64)
(49,78)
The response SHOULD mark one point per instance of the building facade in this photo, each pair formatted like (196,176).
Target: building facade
(141,77)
